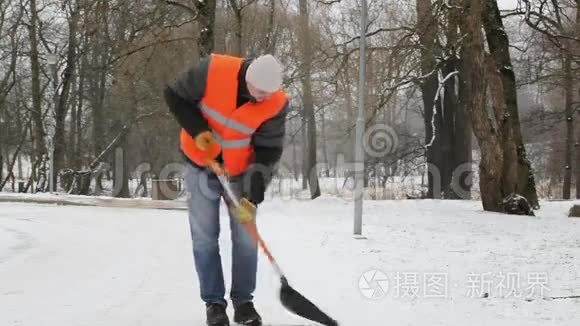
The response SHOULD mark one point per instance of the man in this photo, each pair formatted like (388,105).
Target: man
(232,111)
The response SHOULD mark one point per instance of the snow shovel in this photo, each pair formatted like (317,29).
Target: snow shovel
(290,298)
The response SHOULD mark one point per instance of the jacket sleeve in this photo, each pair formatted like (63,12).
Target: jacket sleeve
(268,139)
(183,96)
(268,144)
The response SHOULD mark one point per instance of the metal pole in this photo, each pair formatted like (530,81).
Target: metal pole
(360,121)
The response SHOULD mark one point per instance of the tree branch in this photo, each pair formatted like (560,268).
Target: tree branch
(182,6)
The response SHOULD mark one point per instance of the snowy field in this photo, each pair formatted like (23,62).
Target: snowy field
(426,263)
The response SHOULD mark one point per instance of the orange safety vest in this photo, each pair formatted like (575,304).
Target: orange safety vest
(232,126)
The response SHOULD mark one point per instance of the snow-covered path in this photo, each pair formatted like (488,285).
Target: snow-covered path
(65,265)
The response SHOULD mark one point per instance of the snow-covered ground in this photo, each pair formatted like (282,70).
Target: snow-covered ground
(445,262)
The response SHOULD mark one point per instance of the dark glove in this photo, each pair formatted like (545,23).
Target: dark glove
(254,185)
(257,188)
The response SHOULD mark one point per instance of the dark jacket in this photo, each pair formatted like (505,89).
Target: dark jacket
(183,96)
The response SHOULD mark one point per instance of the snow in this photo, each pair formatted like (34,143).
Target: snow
(65,199)
(70,265)
(507,4)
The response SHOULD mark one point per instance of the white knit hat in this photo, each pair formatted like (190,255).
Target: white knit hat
(265,73)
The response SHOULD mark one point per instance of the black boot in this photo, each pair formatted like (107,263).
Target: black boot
(245,314)
(216,315)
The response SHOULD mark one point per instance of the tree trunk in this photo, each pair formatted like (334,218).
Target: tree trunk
(304,152)
(498,43)
(295,167)
(63,99)
(449,101)
(577,118)
(324,147)
(456,116)
(463,174)
(78,153)
(3,141)
(20,172)
(427,30)
(77,123)
(121,171)
(6,84)
(70,155)
(1,147)
(306,48)
(237,9)
(23,133)
(490,168)
(206,22)
(502,120)
(98,81)
(569,112)
(10,162)
(350,117)
(39,144)
(270,39)
(98,114)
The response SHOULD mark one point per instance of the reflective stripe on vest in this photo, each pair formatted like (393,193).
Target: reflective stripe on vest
(228,123)
(238,143)
(233,127)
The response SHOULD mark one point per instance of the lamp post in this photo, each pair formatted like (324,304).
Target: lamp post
(52,60)
(360,125)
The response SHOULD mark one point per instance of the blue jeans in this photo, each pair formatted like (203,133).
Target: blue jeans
(204,192)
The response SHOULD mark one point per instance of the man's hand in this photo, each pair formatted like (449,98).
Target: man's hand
(245,212)
(216,168)
(205,140)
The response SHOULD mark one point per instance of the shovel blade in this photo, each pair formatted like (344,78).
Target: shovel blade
(299,305)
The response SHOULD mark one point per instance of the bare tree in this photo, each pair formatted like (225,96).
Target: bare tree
(8,80)
(569,114)
(518,174)
(444,114)
(474,61)
(427,29)
(270,39)
(206,21)
(39,144)
(204,12)
(237,8)
(73,10)
(308,103)
(577,119)
(424,80)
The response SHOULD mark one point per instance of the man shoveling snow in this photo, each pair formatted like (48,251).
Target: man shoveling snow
(232,113)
